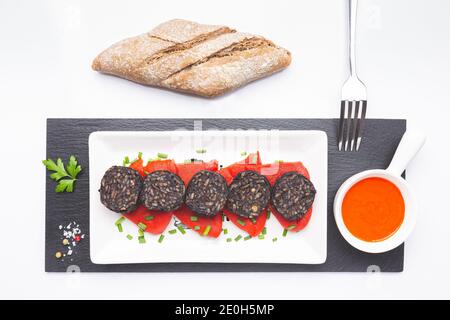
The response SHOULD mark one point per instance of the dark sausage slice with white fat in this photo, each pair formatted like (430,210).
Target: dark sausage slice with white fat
(206,193)
(249,194)
(120,188)
(292,195)
(163,191)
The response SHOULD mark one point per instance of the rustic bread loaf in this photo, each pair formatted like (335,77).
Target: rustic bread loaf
(206,60)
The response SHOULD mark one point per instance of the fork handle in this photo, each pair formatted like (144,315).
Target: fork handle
(353,6)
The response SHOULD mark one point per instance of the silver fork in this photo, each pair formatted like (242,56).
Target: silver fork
(353,96)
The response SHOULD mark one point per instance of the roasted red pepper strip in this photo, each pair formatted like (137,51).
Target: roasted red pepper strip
(251,162)
(186,171)
(253,228)
(157,221)
(138,165)
(184,214)
(275,170)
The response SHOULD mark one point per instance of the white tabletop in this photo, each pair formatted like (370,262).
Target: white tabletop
(46,50)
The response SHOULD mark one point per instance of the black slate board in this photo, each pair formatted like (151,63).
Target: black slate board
(70,136)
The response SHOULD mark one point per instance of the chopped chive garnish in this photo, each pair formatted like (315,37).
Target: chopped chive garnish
(181,229)
(261,237)
(274,239)
(162,155)
(247,238)
(126,161)
(148,218)
(161,238)
(243,153)
(196,228)
(119,227)
(229,239)
(140,155)
(142,226)
(264,231)
(268,214)
(285,231)
(141,239)
(129,237)
(141,232)
(119,221)
(194,218)
(239,237)
(207,229)
(225,231)
(200,150)
(291,227)
(173,231)
(242,223)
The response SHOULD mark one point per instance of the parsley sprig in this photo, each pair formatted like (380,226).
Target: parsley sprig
(65,176)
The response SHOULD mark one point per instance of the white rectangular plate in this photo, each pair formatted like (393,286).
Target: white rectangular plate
(109,246)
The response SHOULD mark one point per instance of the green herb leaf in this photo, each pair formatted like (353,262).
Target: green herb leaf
(65,185)
(181,229)
(239,237)
(162,155)
(65,178)
(161,238)
(173,231)
(73,168)
(129,237)
(247,238)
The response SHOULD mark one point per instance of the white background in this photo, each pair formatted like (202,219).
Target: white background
(46,48)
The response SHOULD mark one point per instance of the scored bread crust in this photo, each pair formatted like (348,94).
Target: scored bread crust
(206,60)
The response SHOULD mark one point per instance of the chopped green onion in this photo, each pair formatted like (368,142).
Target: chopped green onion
(223,217)
(253,220)
(264,231)
(161,238)
(162,155)
(291,227)
(247,238)
(242,223)
(141,232)
(126,161)
(119,227)
(274,239)
(207,229)
(196,228)
(268,214)
(200,150)
(142,226)
(239,237)
(285,231)
(243,153)
(181,229)
(194,218)
(173,231)
(119,221)
(229,239)
(148,218)
(140,155)
(130,237)
(261,237)
(141,239)
(225,231)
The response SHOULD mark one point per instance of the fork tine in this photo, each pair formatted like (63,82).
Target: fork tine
(355,124)
(360,124)
(348,121)
(341,126)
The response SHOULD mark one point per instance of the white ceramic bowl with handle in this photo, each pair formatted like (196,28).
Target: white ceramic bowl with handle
(410,144)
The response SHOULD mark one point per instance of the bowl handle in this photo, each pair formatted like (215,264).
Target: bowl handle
(412,141)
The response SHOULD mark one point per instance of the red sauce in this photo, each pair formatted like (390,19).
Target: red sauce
(373,209)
